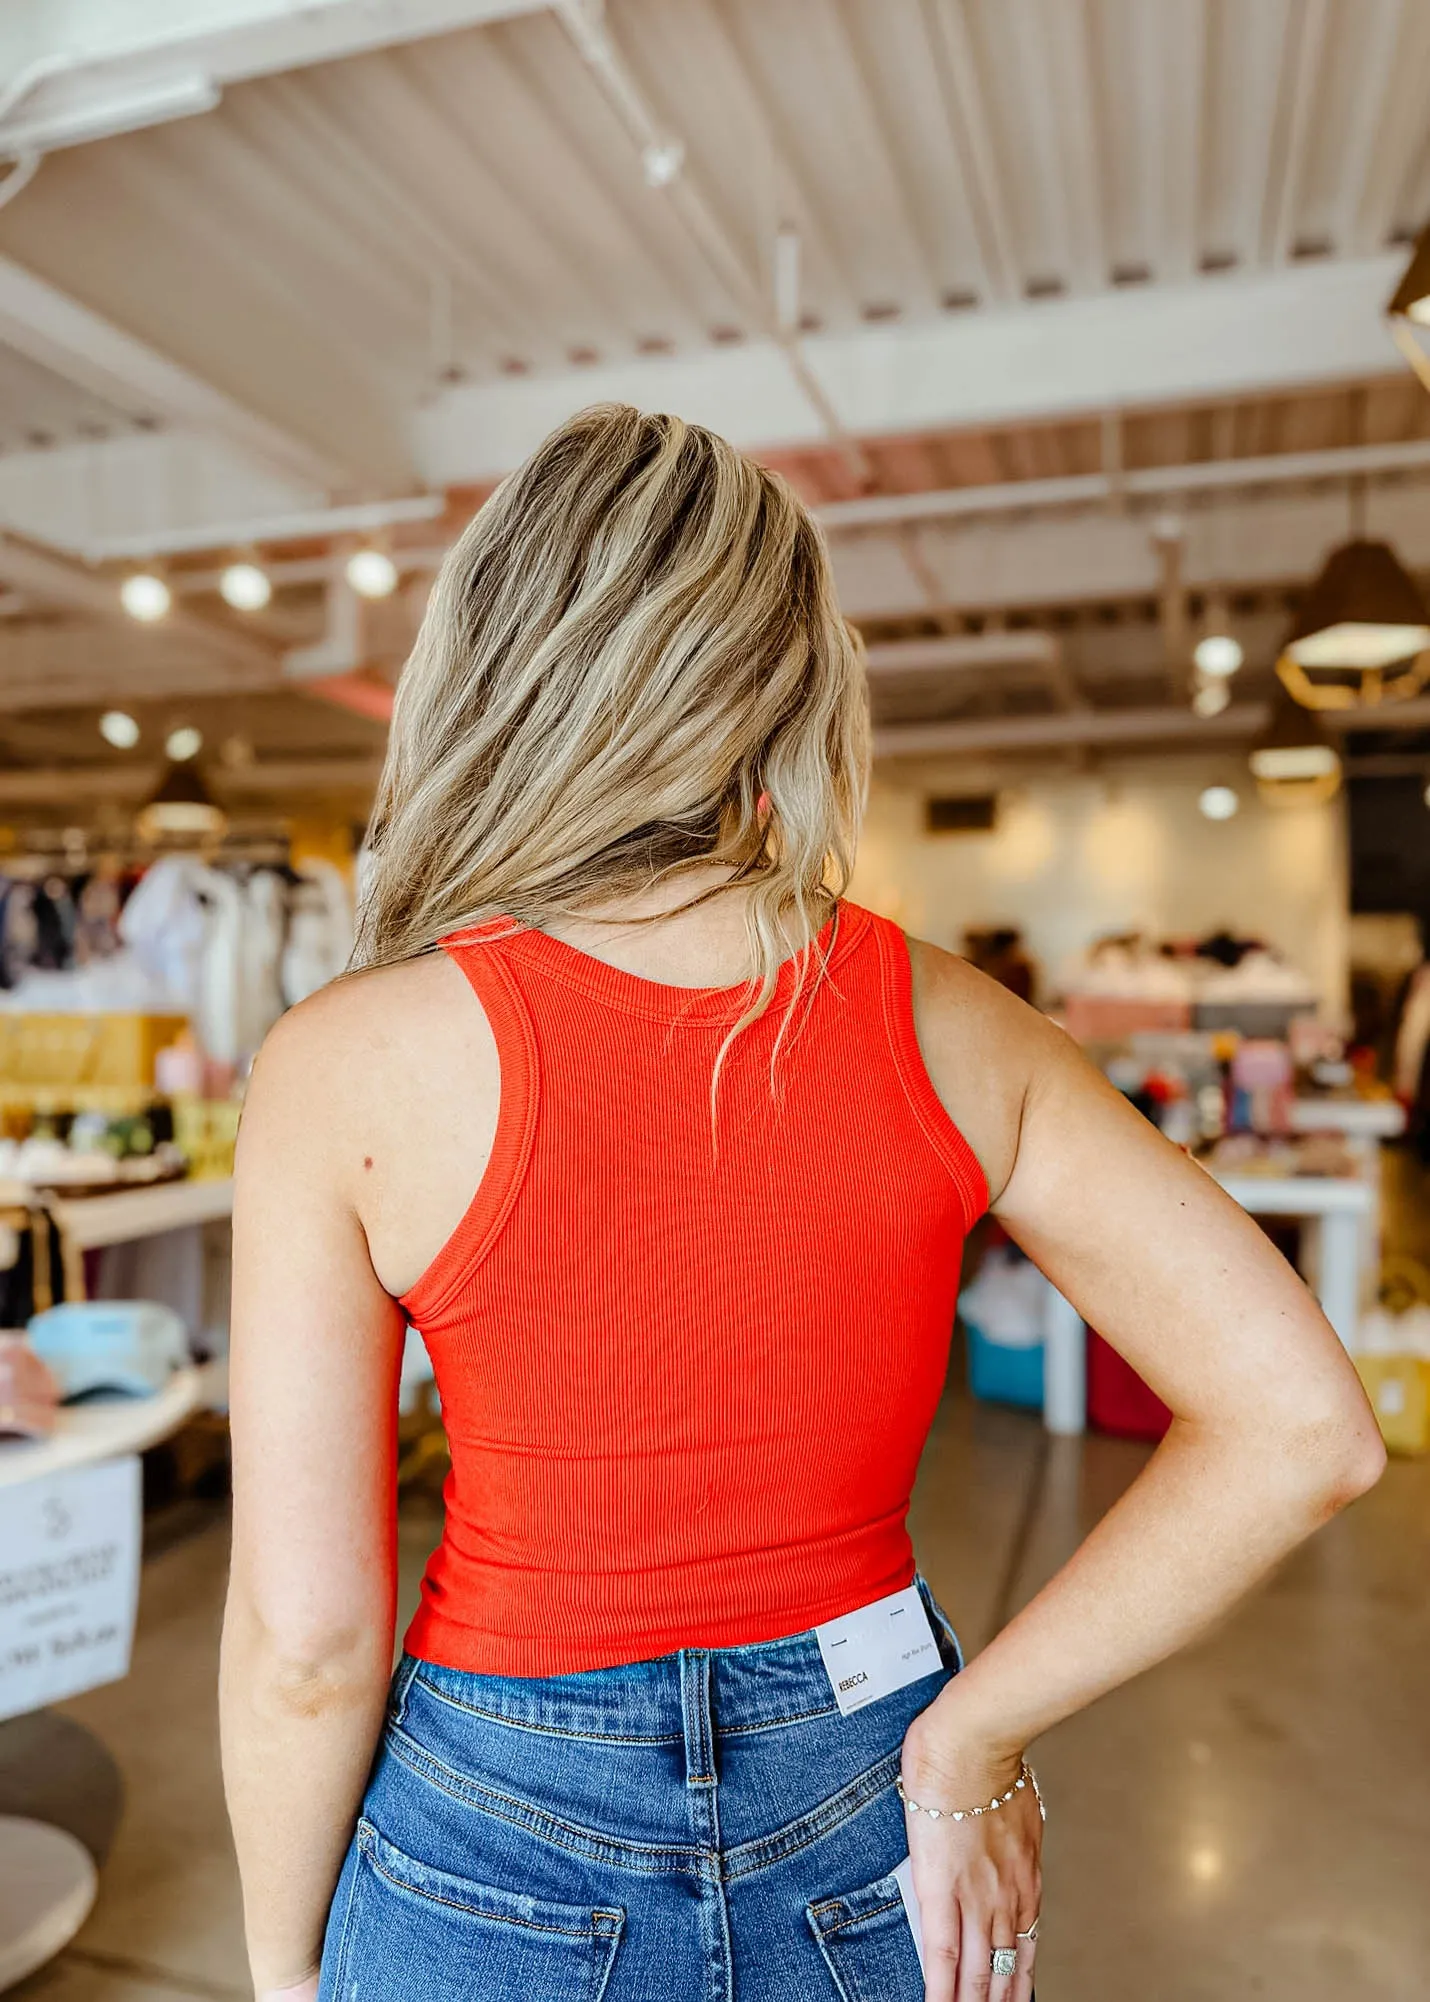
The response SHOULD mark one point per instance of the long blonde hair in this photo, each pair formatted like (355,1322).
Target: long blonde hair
(632,665)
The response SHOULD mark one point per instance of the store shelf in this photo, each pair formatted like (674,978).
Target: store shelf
(91,1221)
(103,1430)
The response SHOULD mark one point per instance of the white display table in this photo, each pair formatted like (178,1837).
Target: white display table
(47,1878)
(92,1221)
(1333,1210)
(109,1427)
(47,1886)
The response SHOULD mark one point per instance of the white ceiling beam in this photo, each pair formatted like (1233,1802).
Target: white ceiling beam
(1217,337)
(79,344)
(1067,729)
(964,95)
(962,651)
(1306,27)
(1410,455)
(1378,40)
(48,579)
(1243,720)
(72,784)
(1178,42)
(1269,540)
(93,68)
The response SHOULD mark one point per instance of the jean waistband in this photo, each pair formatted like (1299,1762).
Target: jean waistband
(752,1688)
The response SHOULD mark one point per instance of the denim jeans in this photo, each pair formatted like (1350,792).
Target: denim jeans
(705,1827)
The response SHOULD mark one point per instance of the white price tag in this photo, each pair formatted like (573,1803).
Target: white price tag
(904,1877)
(69,1583)
(878,1649)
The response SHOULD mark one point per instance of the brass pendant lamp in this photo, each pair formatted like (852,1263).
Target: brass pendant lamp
(182,809)
(1362,634)
(1294,761)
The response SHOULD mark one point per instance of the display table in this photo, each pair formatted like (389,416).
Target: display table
(1332,1210)
(47,1878)
(94,1221)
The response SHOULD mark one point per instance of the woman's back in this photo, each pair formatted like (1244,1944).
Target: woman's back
(687,1267)
(687,1373)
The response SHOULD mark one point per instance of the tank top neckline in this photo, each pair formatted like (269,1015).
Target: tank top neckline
(663,1000)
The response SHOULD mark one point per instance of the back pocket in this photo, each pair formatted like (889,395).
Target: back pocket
(867,1945)
(415,1934)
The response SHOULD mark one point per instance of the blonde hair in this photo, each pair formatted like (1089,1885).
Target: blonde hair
(632,665)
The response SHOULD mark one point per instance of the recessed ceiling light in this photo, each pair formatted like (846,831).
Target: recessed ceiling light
(372,573)
(183,743)
(1218,655)
(145,596)
(1219,803)
(245,587)
(119,728)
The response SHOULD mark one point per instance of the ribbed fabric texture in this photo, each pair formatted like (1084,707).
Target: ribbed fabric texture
(686,1386)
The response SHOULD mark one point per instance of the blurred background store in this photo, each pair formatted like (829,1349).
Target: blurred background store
(1097,333)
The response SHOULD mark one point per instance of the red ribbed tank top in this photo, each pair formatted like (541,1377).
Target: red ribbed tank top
(686,1389)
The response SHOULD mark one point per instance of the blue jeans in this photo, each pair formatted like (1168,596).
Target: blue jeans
(705,1827)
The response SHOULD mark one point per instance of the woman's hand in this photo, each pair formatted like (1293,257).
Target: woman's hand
(978,1881)
(301,1991)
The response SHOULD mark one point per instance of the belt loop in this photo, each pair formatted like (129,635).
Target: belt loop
(696,1713)
(402,1682)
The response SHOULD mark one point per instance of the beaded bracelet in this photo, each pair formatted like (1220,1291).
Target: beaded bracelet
(1026,1777)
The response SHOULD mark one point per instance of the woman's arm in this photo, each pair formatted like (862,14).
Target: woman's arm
(1271,1434)
(308,1631)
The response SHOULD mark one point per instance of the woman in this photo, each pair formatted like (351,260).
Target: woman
(726,1133)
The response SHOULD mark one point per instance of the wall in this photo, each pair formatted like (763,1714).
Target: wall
(1076,855)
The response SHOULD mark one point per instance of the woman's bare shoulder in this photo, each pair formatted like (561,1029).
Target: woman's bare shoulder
(361,1053)
(984,1051)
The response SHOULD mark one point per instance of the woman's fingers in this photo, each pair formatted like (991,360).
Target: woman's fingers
(1021,1987)
(941,1951)
(975,1964)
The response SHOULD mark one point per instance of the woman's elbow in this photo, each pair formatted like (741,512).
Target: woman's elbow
(307,1669)
(1340,1458)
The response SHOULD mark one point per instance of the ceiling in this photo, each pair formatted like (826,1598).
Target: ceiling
(991,280)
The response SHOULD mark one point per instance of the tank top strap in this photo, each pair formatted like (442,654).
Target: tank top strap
(478,952)
(947,1141)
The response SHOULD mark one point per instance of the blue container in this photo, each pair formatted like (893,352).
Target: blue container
(1001,1374)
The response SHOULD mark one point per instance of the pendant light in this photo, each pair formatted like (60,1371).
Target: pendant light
(183,808)
(1294,760)
(1362,635)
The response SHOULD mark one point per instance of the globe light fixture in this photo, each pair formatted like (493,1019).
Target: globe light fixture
(145,596)
(1219,802)
(184,743)
(1218,655)
(245,586)
(1210,698)
(118,727)
(372,573)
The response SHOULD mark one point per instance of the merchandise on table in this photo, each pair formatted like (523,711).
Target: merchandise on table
(131,1347)
(29,1394)
(1130,982)
(1003,1312)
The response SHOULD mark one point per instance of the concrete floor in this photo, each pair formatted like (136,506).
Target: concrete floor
(1250,1820)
